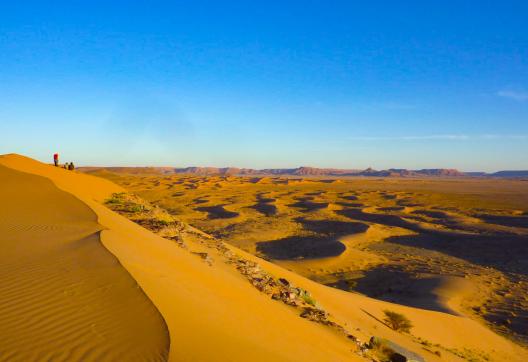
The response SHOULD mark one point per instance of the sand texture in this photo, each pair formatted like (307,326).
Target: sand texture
(63,296)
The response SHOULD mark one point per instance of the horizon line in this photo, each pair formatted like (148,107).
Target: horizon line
(313,167)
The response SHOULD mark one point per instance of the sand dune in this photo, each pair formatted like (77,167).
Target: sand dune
(63,296)
(211,311)
(211,315)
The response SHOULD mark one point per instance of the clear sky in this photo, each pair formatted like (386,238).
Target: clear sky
(350,84)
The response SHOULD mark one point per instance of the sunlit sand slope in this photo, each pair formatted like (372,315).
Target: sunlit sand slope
(214,314)
(63,296)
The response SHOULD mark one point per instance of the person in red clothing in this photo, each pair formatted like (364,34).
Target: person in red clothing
(56,159)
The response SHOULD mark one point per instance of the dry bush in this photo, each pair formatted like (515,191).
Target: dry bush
(381,350)
(130,203)
(397,321)
(160,215)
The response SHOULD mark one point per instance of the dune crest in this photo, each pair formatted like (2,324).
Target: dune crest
(63,296)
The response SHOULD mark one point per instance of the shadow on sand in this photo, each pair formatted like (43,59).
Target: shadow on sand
(395,286)
(301,247)
(217,212)
(322,245)
(507,253)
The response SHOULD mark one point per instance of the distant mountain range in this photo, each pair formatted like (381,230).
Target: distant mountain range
(308,171)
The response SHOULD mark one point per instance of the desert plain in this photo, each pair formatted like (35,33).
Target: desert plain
(120,265)
(456,245)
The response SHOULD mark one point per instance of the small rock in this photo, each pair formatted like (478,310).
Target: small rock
(284,282)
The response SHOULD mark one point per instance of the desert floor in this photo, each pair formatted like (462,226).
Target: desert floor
(93,272)
(457,246)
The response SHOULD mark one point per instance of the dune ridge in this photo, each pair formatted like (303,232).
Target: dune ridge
(213,313)
(63,296)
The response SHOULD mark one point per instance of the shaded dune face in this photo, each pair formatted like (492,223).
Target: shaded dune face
(390,220)
(306,205)
(514,221)
(326,244)
(200,201)
(333,227)
(296,247)
(350,197)
(265,208)
(393,285)
(63,296)
(508,253)
(265,205)
(217,212)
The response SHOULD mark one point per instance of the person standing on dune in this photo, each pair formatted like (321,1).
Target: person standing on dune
(56,159)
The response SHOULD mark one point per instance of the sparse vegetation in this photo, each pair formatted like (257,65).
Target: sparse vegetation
(136,208)
(140,211)
(127,203)
(117,198)
(381,350)
(397,321)
(308,299)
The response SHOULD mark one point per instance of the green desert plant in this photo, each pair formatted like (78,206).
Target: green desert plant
(136,208)
(113,200)
(116,198)
(397,321)
(308,299)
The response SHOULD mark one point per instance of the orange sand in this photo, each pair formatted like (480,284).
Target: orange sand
(212,312)
(63,296)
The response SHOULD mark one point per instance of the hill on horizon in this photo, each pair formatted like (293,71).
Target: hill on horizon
(305,171)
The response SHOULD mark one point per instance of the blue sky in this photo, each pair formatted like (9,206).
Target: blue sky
(345,84)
